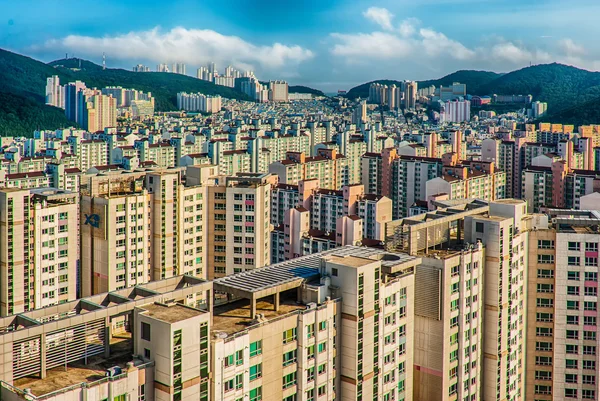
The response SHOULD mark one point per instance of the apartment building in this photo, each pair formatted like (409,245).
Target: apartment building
(504,232)
(39,248)
(178,240)
(328,167)
(238,223)
(550,183)
(562,361)
(115,233)
(449,310)
(336,325)
(408,181)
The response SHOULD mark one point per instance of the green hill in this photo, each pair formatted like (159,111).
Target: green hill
(559,85)
(20,116)
(362,91)
(475,80)
(305,89)
(23,87)
(580,114)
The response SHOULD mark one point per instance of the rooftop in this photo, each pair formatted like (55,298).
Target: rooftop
(235,317)
(80,372)
(170,313)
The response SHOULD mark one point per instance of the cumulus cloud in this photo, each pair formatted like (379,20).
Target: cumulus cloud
(408,27)
(400,42)
(430,48)
(435,43)
(193,46)
(381,16)
(380,45)
(570,48)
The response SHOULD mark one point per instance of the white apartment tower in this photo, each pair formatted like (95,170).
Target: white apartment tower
(39,248)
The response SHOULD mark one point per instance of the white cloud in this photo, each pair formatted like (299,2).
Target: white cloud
(408,27)
(435,43)
(378,45)
(570,48)
(398,43)
(381,16)
(516,53)
(193,46)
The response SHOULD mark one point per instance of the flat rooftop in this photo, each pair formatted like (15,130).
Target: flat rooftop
(170,313)
(235,317)
(80,372)
(351,261)
(293,273)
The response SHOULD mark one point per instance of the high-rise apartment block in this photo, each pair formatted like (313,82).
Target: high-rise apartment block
(39,248)
(198,102)
(278,91)
(55,93)
(178,68)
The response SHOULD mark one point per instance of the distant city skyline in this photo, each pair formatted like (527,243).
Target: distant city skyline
(326,46)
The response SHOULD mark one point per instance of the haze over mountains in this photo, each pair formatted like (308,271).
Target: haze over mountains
(572,94)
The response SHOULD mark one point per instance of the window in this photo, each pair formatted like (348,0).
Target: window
(544,317)
(572,349)
(543,360)
(289,380)
(589,335)
(322,347)
(543,288)
(570,393)
(545,273)
(545,259)
(543,375)
(543,346)
(588,394)
(571,290)
(573,334)
(572,305)
(546,390)
(570,378)
(322,325)
(322,369)
(545,244)
(588,379)
(591,247)
(571,364)
(572,319)
(289,335)
(590,365)
(573,246)
(591,276)
(145,331)
(589,261)
(479,227)
(255,372)
(310,330)
(310,374)
(543,331)
(310,352)
(229,360)
(573,260)
(256,394)
(239,357)
(290,357)
(573,276)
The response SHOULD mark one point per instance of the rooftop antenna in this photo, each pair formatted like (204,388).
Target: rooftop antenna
(104,61)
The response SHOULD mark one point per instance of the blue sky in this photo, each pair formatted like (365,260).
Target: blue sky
(328,44)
